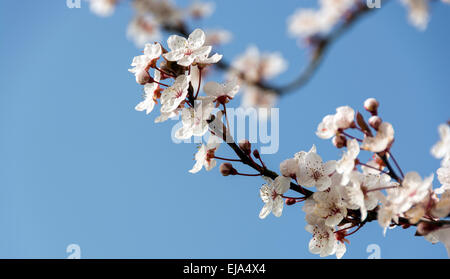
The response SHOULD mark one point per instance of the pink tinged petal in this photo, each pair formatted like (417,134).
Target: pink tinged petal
(186,60)
(213,89)
(265,210)
(333,220)
(176,42)
(340,250)
(184,133)
(277,206)
(314,246)
(282,184)
(323,183)
(203,51)
(197,167)
(264,193)
(209,166)
(196,38)
(329,167)
(174,55)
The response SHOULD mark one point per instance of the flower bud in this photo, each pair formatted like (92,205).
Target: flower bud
(246,146)
(142,77)
(290,201)
(339,141)
(371,105)
(227,169)
(375,122)
(256,153)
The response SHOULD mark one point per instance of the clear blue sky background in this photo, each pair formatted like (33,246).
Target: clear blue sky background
(79,165)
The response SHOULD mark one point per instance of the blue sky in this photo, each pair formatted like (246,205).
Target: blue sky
(79,165)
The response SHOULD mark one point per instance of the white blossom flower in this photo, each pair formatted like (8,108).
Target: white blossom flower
(256,66)
(205,155)
(444,178)
(195,120)
(346,164)
(442,148)
(324,241)
(290,167)
(360,195)
(143,29)
(418,14)
(382,140)
(413,190)
(329,206)
(164,116)
(327,128)
(440,235)
(141,63)
(164,11)
(441,208)
(149,95)
(103,7)
(400,199)
(201,9)
(271,195)
(172,96)
(313,172)
(330,124)
(204,60)
(215,37)
(306,22)
(186,51)
(256,97)
(221,92)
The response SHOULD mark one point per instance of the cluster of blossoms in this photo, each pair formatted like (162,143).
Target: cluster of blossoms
(182,96)
(307,23)
(253,68)
(349,192)
(154,15)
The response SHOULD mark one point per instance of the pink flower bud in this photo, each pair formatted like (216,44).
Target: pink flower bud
(227,169)
(339,141)
(290,201)
(375,122)
(256,153)
(371,105)
(142,77)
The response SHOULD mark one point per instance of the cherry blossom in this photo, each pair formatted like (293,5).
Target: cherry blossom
(440,235)
(346,164)
(195,120)
(103,8)
(313,172)
(141,63)
(150,90)
(143,29)
(200,9)
(172,96)
(324,241)
(342,119)
(271,196)
(205,155)
(216,37)
(382,140)
(329,206)
(221,93)
(257,66)
(418,14)
(183,51)
(442,148)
